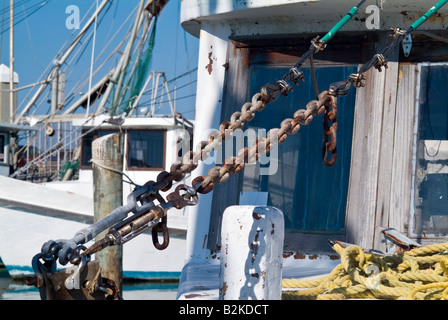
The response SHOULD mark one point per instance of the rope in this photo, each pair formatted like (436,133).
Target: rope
(418,274)
(115,171)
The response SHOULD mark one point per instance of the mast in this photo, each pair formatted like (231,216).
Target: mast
(123,61)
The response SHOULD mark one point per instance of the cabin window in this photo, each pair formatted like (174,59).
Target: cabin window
(146,149)
(311,195)
(86,151)
(431,175)
(3,155)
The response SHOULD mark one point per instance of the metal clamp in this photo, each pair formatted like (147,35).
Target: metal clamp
(135,197)
(294,75)
(179,200)
(380,62)
(357,79)
(340,89)
(318,45)
(73,280)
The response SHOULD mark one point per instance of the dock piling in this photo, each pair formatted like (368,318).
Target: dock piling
(107,152)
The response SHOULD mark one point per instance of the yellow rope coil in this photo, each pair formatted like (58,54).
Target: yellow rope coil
(421,273)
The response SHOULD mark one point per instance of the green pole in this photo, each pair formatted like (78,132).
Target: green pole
(428,14)
(341,23)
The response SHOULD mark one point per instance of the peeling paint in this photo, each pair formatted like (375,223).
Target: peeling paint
(209,67)
(255,275)
(256,216)
(299,256)
(195,295)
(223,289)
(205,241)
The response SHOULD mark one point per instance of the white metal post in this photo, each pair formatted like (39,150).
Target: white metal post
(211,74)
(251,253)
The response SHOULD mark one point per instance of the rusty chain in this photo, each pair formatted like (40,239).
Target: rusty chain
(141,201)
(326,104)
(184,195)
(147,214)
(268,94)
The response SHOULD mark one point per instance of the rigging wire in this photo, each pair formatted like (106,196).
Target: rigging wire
(50,66)
(33,50)
(80,51)
(78,86)
(23,15)
(1,34)
(91,60)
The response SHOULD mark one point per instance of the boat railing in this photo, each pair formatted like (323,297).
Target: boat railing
(49,152)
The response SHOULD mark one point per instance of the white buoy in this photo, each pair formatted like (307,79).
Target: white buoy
(251,253)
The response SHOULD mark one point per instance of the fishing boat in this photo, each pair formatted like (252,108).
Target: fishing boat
(369,177)
(47,187)
(390,172)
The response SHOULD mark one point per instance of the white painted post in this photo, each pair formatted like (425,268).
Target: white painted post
(251,253)
(211,75)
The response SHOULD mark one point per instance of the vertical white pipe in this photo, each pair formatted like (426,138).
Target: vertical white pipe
(251,253)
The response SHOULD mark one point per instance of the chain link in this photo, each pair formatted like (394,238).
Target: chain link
(146,214)
(326,104)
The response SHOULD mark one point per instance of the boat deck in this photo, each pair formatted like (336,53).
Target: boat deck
(200,280)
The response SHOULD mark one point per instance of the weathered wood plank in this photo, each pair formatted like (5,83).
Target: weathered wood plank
(235,95)
(363,186)
(386,154)
(400,197)
(381,170)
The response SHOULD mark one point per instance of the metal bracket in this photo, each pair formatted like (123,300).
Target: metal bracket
(407,45)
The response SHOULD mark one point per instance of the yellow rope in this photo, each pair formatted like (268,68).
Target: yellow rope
(421,273)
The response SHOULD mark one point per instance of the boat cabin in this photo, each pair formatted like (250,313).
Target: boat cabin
(151,145)
(7,131)
(392,134)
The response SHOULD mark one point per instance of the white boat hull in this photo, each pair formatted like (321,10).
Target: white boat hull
(26,227)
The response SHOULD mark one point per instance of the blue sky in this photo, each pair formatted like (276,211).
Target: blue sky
(41,33)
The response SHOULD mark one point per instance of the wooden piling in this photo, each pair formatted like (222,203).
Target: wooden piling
(107,163)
